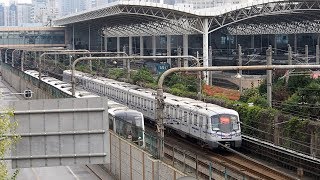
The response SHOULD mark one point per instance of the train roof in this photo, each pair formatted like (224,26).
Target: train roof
(66,88)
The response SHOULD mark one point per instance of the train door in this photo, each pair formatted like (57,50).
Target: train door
(185,124)
(203,127)
(195,129)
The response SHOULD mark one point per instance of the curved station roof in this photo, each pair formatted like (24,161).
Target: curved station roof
(136,18)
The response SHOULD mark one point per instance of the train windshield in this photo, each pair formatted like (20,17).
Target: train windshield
(130,125)
(225,123)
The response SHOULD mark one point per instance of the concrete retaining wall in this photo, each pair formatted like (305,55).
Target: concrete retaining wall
(11,76)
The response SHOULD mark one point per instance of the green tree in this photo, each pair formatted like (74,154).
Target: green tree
(7,138)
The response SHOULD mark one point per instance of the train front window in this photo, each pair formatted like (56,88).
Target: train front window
(225,123)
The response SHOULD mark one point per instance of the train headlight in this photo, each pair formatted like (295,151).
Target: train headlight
(238,134)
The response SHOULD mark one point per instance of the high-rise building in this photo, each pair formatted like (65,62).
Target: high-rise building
(2,15)
(13,15)
(202,4)
(24,14)
(72,6)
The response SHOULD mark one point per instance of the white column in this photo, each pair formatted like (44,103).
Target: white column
(73,43)
(295,44)
(205,44)
(118,44)
(169,49)
(154,46)
(105,43)
(141,46)
(307,53)
(252,41)
(89,47)
(89,41)
(130,46)
(275,45)
(185,49)
(317,54)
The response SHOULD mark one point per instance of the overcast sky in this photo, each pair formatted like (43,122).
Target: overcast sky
(6,2)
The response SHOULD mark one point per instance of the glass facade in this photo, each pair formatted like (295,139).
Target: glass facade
(32,37)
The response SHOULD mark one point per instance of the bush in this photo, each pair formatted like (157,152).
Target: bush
(249,93)
(116,73)
(143,76)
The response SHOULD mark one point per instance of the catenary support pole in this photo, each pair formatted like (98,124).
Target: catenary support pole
(240,64)
(205,47)
(210,63)
(269,76)
(169,49)
(185,49)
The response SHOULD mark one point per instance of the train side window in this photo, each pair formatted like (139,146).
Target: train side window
(152,104)
(175,115)
(195,120)
(190,118)
(200,121)
(145,103)
(138,101)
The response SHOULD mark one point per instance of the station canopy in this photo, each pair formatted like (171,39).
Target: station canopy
(125,18)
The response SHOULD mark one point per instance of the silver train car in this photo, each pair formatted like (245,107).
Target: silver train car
(124,121)
(208,123)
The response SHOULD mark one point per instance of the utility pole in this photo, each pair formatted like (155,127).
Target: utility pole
(240,64)
(317,54)
(269,76)
(289,61)
(307,54)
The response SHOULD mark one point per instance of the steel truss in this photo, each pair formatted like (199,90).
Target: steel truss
(272,17)
(281,28)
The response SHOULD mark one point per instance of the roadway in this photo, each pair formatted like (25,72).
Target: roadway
(78,172)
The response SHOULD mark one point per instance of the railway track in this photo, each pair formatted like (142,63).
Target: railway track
(204,163)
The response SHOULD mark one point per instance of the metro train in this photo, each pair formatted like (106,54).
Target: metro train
(207,123)
(124,121)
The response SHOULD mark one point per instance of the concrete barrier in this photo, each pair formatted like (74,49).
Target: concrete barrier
(130,162)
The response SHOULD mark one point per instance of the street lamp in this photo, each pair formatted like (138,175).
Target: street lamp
(115,63)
